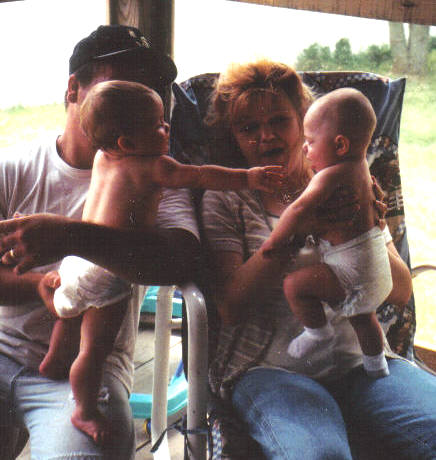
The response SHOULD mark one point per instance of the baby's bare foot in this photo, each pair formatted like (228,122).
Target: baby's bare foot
(96,427)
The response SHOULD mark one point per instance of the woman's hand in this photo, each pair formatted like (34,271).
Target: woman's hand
(379,205)
(32,241)
(342,208)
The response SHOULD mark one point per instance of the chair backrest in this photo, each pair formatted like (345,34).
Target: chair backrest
(194,142)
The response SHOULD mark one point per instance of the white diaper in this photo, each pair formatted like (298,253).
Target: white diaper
(85,285)
(362,267)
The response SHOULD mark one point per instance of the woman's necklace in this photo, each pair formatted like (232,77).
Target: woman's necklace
(287,194)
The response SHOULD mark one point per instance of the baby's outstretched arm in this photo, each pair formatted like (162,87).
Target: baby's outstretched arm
(167,172)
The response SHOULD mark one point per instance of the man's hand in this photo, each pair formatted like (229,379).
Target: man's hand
(35,240)
(340,210)
(267,178)
(46,288)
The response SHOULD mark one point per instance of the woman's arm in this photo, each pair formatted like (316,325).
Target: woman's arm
(161,256)
(240,284)
(401,278)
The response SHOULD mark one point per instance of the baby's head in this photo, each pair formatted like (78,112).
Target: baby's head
(337,126)
(126,117)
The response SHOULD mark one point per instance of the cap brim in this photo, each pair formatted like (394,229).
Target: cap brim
(161,66)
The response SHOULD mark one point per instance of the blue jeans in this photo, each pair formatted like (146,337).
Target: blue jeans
(45,406)
(294,417)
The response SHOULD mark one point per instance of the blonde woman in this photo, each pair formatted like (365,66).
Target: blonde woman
(294,407)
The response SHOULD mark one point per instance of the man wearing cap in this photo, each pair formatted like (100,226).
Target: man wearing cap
(53,177)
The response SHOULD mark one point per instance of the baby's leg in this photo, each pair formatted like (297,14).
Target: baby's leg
(305,289)
(63,348)
(98,333)
(370,335)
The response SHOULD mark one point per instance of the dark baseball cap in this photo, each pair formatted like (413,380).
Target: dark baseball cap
(118,40)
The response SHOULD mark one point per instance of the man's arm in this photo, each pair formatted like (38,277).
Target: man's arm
(18,289)
(161,256)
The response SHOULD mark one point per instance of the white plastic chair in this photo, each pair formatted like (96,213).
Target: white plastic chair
(197,333)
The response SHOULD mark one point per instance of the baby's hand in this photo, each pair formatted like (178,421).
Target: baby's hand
(267,178)
(46,288)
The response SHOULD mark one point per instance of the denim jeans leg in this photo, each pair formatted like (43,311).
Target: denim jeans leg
(393,417)
(46,407)
(291,416)
(12,441)
(13,435)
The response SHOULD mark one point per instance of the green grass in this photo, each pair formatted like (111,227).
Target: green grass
(19,123)
(418,167)
(417,150)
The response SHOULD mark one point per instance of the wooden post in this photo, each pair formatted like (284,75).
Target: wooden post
(155,18)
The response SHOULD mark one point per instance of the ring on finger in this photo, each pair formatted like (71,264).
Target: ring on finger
(12,254)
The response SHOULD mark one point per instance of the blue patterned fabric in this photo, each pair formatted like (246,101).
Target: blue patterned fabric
(205,145)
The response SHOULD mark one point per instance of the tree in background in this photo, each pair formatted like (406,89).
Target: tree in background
(316,57)
(415,55)
(343,56)
(409,55)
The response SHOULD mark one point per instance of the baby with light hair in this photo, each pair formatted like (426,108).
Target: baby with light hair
(354,274)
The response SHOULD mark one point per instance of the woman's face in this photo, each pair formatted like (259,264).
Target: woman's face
(267,129)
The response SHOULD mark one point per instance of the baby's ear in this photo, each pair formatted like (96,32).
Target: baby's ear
(342,144)
(125,144)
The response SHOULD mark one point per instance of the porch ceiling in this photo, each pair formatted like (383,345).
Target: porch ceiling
(412,11)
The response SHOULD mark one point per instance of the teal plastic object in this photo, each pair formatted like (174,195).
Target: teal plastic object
(178,387)
(177,396)
(149,302)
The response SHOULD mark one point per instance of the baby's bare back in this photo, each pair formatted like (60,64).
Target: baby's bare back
(356,178)
(121,193)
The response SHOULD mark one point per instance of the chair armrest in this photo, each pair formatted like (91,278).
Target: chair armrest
(426,357)
(421,269)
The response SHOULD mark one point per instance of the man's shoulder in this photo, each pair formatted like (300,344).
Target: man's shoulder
(27,151)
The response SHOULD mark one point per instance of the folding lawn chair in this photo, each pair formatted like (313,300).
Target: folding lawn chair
(194,142)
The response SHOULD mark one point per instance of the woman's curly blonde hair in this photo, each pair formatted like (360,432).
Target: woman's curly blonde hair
(240,82)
